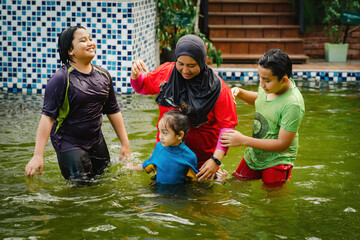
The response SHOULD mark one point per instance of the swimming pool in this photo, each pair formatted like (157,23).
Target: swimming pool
(321,201)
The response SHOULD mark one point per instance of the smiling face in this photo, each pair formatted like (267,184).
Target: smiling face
(270,83)
(83,47)
(187,67)
(168,136)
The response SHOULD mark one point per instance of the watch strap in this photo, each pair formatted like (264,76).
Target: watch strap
(216,160)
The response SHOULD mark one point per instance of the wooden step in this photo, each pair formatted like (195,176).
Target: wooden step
(251,18)
(249,6)
(257,45)
(249,1)
(245,29)
(257,40)
(254,58)
(254,26)
(250,14)
(254,31)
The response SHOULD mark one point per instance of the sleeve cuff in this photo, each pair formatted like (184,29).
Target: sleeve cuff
(218,146)
(138,84)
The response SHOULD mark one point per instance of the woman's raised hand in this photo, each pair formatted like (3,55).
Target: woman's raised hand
(137,68)
(235,91)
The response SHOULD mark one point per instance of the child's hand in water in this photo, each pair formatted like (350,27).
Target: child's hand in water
(129,165)
(221,175)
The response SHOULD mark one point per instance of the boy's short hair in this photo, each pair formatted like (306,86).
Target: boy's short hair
(278,61)
(65,43)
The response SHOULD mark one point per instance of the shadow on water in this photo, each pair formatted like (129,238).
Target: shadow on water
(324,187)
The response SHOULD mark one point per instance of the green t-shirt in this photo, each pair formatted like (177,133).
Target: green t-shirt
(285,111)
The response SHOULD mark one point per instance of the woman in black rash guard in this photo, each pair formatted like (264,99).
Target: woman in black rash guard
(75,99)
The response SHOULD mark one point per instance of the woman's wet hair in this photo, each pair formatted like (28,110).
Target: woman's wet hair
(278,62)
(177,120)
(65,40)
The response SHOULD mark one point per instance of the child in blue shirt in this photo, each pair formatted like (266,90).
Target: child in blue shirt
(172,161)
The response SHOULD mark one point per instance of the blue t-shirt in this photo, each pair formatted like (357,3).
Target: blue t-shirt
(172,163)
(90,96)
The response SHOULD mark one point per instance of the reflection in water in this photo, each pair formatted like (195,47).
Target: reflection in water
(324,187)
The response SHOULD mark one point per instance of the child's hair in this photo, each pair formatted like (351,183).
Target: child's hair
(65,43)
(278,61)
(177,120)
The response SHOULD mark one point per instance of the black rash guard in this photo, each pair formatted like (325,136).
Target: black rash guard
(90,96)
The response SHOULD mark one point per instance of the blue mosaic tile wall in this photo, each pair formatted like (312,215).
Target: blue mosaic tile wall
(311,78)
(123,31)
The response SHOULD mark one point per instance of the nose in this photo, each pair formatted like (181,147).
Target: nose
(261,83)
(186,69)
(90,42)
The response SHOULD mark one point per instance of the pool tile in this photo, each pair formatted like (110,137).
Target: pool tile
(29,32)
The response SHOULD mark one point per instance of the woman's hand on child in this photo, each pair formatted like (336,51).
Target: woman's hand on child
(207,170)
(137,68)
(232,138)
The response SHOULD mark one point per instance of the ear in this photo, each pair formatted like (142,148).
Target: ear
(285,79)
(181,135)
(70,53)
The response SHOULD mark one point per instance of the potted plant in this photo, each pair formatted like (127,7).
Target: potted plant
(336,49)
(177,18)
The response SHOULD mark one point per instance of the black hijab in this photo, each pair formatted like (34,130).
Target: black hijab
(200,92)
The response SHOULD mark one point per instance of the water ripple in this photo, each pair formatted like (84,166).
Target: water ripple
(103,228)
(167,217)
(231,202)
(149,231)
(314,166)
(316,200)
(349,209)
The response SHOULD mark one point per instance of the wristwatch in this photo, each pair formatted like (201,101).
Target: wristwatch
(216,160)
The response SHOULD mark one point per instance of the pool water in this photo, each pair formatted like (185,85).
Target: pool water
(321,201)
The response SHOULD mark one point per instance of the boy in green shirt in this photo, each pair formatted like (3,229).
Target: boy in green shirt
(279,108)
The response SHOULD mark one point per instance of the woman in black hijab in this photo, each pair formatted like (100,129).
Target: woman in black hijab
(189,80)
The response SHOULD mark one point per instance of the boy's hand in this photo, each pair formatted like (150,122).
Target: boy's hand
(235,91)
(232,138)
